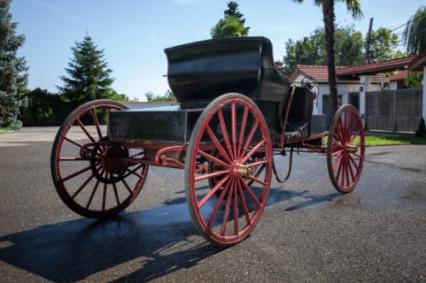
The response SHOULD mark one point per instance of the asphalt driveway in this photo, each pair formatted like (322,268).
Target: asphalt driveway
(309,232)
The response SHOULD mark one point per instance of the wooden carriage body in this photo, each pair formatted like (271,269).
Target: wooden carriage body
(201,71)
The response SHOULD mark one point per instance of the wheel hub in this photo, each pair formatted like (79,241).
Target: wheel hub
(109,162)
(114,160)
(242,170)
(351,148)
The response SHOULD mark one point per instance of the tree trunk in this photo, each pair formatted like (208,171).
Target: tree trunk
(328,14)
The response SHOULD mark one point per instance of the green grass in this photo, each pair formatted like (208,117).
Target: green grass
(378,140)
(3,130)
(374,140)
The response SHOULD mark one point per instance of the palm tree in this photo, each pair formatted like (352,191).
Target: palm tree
(354,7)
(414,35)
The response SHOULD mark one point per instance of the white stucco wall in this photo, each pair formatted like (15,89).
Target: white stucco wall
(343,90)
(393,85)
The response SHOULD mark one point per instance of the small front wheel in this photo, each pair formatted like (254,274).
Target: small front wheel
(346,149)
(227,200)
(94,176)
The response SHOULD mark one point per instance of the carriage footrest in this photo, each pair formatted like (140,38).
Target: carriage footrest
(160,124)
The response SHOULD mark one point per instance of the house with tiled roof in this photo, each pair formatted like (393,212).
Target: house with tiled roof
(353,82)
(346,86)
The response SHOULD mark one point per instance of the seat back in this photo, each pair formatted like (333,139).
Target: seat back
(201,71)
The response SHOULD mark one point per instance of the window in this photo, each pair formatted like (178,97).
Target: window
(326,102)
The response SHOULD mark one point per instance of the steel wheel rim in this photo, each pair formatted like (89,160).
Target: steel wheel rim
(235,191)
(346,149)
(102,188)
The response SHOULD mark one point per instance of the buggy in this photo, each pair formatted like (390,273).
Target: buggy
(236,112)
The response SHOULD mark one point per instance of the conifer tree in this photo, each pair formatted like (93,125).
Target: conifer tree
(88,76)
(13,69)
(232,24)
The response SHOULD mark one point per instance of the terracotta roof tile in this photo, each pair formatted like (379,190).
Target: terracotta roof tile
(399,76)
(319,74)
(376,67)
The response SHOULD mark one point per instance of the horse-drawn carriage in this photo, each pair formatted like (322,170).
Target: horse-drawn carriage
(235,112)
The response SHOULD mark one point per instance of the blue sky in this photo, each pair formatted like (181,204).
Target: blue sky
(134,33)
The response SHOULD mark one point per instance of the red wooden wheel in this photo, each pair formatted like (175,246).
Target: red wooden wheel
(346,149)
(227,200)
(92,174)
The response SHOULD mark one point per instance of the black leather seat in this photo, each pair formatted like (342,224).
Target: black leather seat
(200,71)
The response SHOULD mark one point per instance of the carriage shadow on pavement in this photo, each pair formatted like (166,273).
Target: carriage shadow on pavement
(152,242)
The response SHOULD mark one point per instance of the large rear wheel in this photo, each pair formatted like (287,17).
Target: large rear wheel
(232,134)
(346,149)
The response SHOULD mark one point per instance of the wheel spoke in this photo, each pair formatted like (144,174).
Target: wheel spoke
(253,150)
(212,159)
(356,155)
(212,191)
(210,175)
(342,183)
(340,151)
(251,194)
(133,171)
(243,201)
(257,180)
(337,162)
(95,118)
(225,134)
(242,130)
(82,186)
(104,196)
(92,194)
(350,169)
(218,204)
(136,154)
(353,162)
(227,207)
(347,171)
(85,130)
(116,193)
(257,163)
(250,136)
(70,158)
(235,196)
(219,147)
(234,129)
(127,187)
(73,142)
(76,173)
(339,170)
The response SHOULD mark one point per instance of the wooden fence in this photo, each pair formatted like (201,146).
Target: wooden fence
(393,110)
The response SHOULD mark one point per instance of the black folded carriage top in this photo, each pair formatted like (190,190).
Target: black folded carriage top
(200,71)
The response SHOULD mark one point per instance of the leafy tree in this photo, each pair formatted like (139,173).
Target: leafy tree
(88,77)
(353,6)
(232,24)
(13,69)
(414,35)
(414,80)
(311,50)
(44,108)
(383,45)
(149,95)
(167,96)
